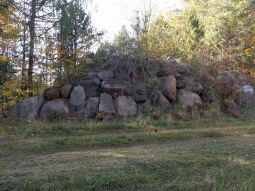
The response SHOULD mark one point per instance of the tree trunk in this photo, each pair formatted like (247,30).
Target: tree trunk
(23,66)
(31,46)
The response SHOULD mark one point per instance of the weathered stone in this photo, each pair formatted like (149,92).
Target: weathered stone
(77,100)
(223,86)
(159,100)
(55,109)
(231,105)
(92,92)
(51,94)
(180,81)
(139,98)
(92,75)
(97,82)
(106,104)
(92,107)
(168,69)
(86,83)
(65,90)
(197,88)
(246,97)
(26,109)
(113,87)
(169,88)
(189,99)
(126,106)
(182,69)
(105,75)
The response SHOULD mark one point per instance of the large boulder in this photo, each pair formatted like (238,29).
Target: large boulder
(173,68)
(26,109)
(223,86)
(114,87)
(182,69)
(232,108)
(55,109)
(51,93)
(168,69)
(92,92)
(157,99)
(65,90)
(77,100)
(85,83)
(197,88)
(230,105)
(126,106)
(139,98)
(169,88)
(92,107)
(246,97)
(90,86)
(181,81)
(105,75)
(106,104)
(189,99)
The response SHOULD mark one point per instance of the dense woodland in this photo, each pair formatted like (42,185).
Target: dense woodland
(48,42)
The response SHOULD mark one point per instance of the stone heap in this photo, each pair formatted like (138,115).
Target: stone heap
(121,88)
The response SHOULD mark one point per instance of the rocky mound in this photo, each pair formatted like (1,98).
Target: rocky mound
(123,86)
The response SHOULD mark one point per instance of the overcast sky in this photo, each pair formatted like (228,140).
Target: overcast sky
(110,15)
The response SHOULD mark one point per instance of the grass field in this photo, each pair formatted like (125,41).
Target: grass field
(131,155)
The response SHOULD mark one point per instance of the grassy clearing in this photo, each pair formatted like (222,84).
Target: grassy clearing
(128,155)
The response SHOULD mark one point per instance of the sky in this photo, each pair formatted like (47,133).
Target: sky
(111,15)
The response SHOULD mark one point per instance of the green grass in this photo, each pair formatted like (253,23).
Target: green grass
(128,155)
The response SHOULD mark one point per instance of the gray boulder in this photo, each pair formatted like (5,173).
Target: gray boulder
(90,86)
(231,105)
(224,86)
(197,88)
(105,75)
(181,81)
(55,109)
(189,99)
(65,90)
(168,69)
(246,97)
(169,88)
(157,99)
(139,98)
(106,104)
(77,100)
(92,92)
(182,69)
(114,87)
(51,93)
(85,83)
(126,106)
(92,107)
(26,109)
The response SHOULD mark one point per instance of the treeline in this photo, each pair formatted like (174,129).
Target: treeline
(217,32)
(42,42)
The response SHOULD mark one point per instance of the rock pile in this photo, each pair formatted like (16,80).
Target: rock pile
(122,87)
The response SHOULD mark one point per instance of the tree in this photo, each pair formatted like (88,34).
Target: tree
(213,32)
(8,32)
(123,43)
(76,36)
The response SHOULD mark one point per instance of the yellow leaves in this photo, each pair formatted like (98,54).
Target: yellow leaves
(11,92)
(251,47)
(252,40)
(3,58)
(7,23)
(248,51)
